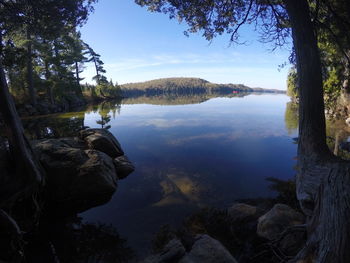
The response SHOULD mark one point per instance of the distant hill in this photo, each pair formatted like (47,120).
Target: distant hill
(186,86)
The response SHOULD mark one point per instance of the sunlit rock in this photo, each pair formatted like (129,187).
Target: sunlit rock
(79,176)
(102,140)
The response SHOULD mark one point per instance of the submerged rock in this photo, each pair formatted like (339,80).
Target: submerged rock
(274,222)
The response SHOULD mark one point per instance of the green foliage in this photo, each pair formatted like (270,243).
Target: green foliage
(292,84)
(43,52)
(332,87)
(105,90)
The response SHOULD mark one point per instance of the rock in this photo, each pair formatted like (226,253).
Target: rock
(347,121)
(102,140)
(274,222)
(172,252)
(242,212)
(77,179)
(292,242)
(123,166)
(207,250)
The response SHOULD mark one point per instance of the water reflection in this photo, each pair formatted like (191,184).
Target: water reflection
(189,152)
(291,117)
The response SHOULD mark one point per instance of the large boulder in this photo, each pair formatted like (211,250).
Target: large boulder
(241,212)
(172,252)
(77,178)
(279,218)
(123,166)
(207,250)
(102,140)
(204,250)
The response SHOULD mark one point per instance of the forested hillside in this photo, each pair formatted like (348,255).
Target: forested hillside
(185,86)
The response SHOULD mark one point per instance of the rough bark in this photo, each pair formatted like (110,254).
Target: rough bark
(323,181)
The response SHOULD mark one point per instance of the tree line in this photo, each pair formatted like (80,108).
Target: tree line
(43,54)
(184,86)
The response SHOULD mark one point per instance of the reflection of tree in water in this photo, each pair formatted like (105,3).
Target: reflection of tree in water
(291,117)
(73,241)
(68,124)
(180,99)
(54,126)
(104,109)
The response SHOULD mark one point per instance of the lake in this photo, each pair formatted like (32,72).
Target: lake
(207,153)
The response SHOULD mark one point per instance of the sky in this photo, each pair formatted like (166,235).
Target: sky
(137,45)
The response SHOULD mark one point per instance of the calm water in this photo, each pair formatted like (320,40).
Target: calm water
(187,156)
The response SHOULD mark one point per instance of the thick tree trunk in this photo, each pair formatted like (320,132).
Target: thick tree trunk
(323,181)
(29,173)
(30,81)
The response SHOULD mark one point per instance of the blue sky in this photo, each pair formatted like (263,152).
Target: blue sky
(137,45)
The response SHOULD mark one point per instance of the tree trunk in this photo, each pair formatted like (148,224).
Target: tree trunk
(29,173)
(78,90)
(323,180)
(77,73)
(30,82)
(49,87)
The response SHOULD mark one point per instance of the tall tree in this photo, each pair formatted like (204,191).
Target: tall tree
(323,181)
(13,14)
(98,63)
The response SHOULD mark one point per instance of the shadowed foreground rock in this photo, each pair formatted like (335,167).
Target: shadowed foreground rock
(81,174)
(204,250)
(274,222)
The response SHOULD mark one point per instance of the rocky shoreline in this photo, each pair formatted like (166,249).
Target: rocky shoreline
(241,233)
(81,173)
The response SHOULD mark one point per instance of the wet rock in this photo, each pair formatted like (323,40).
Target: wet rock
(102,140)
(77,179)
(172,252)
(207,250)
(274,222)
(123,166)
(243,212)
